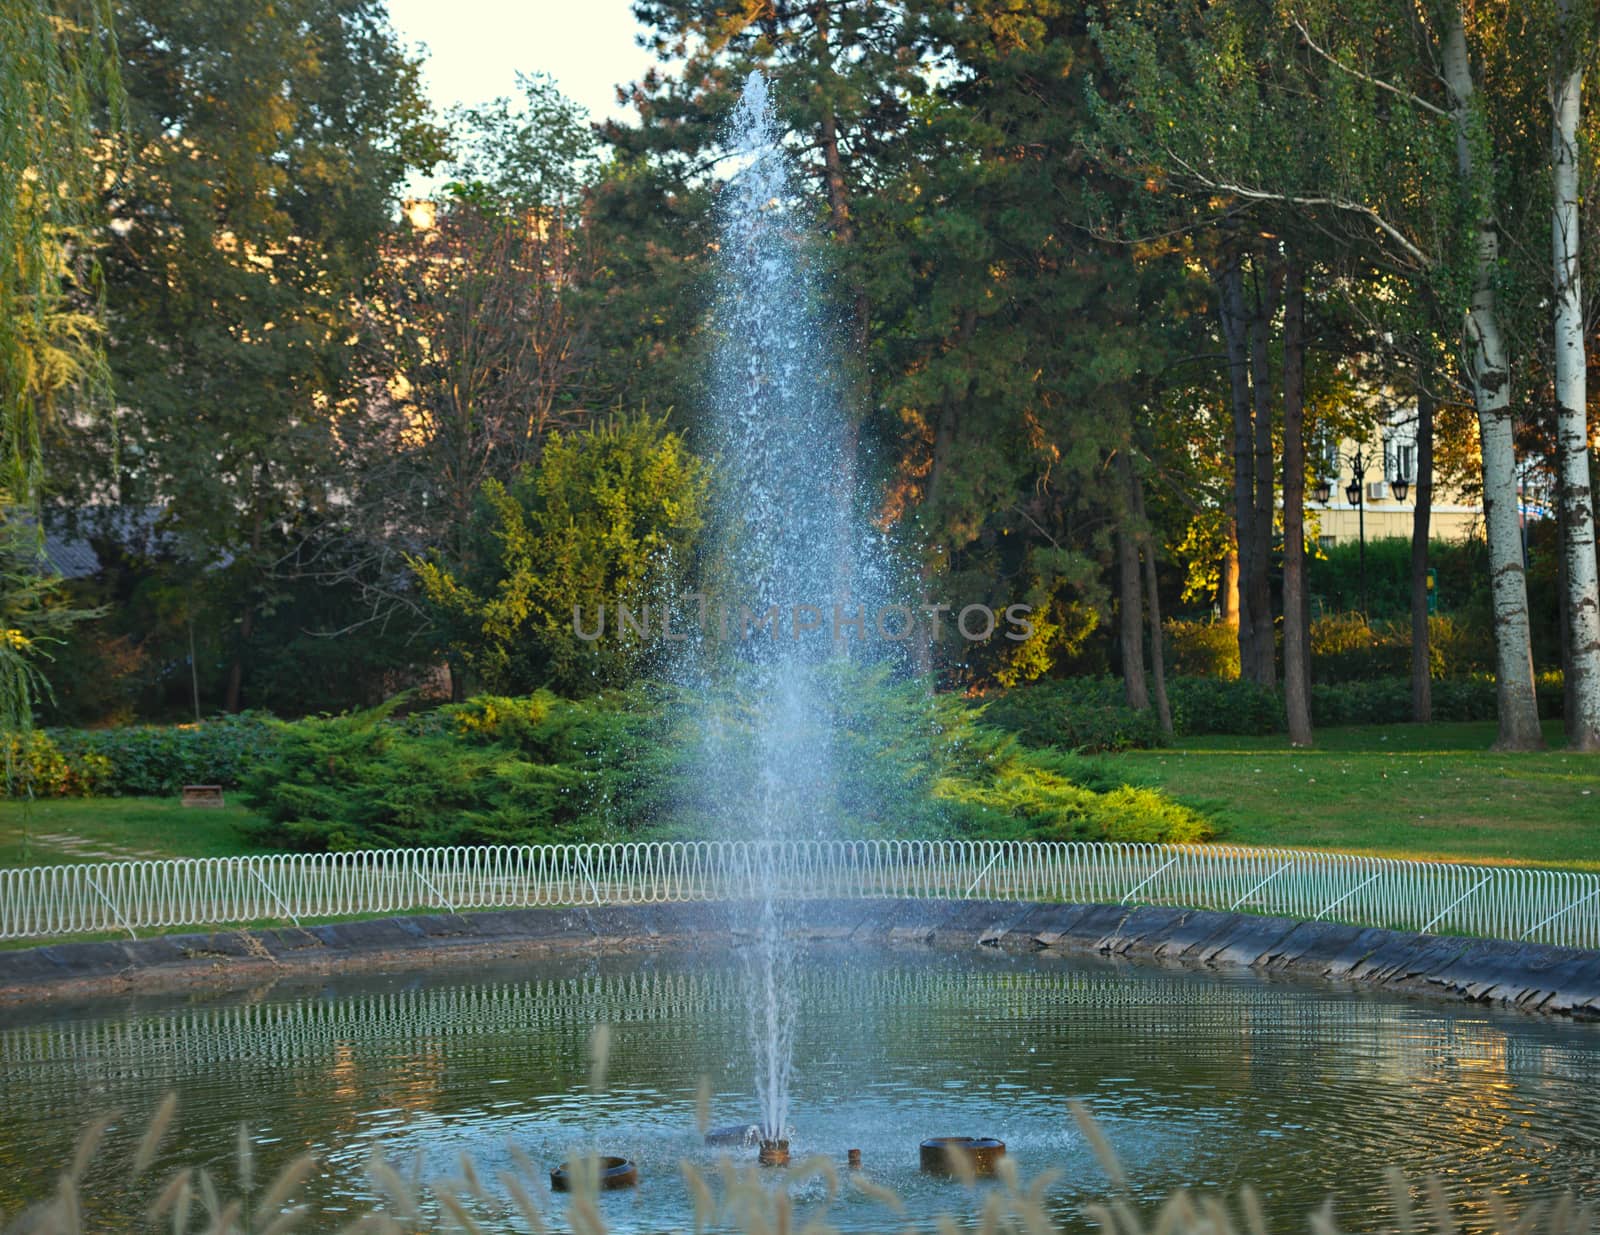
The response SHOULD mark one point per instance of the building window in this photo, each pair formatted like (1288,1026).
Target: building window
(1405,462)
(1327,542)
(1400,447)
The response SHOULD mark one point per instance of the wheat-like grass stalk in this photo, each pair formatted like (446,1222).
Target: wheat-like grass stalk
(190,1201)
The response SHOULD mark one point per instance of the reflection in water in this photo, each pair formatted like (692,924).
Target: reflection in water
(1198,1081)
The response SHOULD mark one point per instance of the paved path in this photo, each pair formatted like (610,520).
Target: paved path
(95,851)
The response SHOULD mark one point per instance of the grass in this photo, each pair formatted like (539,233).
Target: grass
(1416,791)
(1430,791)
(153,827)
(739,1196)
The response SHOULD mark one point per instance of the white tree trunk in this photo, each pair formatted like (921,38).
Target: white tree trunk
(1572,428)
(1490,376)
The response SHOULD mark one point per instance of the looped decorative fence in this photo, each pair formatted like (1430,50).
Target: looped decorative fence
(1545,906)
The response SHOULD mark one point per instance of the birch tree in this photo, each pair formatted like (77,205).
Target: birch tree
(1569,64)
(1375,92)
(1488,372)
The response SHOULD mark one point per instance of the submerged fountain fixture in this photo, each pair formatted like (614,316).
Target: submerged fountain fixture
(946,1155)
(613,1173)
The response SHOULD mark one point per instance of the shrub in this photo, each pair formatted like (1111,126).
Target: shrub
(1074,713)
(1032,796)
(609,516)
(161,759)
(1085,714)
(1345,648)
(632,764)
(1207,705)
(36,767)
(1202,649)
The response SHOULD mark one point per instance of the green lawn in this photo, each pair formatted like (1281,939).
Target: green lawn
(1431,791)
(60,830)
(1399,790)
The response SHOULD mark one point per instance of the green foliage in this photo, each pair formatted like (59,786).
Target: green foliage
(524,154)
(490,771)
(1387,701)
(631,765)
(58,67)
(267,149)
(161,759)
(1344,648)
(1033,797)
(1201,649)
(1209,705)
(37,767)
(1085,714)
(610,515)
(1333,577)
(1082,714)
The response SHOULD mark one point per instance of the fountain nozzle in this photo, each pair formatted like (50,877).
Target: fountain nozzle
(773,1153)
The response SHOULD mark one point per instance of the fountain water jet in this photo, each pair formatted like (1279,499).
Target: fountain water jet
(783,545)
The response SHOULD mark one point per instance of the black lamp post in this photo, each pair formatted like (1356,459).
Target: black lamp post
(1355,494)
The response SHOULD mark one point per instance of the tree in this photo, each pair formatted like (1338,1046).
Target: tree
(1350,141)
(1488,372)
(1296,633)
(267,148)
(607,518)
(1573,51)
(533,154)
(845,77)
(58,72)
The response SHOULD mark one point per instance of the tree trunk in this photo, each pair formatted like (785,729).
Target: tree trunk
(1231,287)
(1572,428)
(1228,592)
(1490,377)
(844,234)
(233,695)
(1569,709)
(1296,663)
(1158,655)
(1421,524)
(232,698)
(944,437)
(1265,639)
(1130,616)
(1130,606)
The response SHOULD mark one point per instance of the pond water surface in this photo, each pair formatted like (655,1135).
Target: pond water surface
(1198,1081)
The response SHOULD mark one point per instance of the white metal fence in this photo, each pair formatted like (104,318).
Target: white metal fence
(1517,903)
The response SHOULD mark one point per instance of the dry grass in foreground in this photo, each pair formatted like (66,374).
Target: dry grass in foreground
(744,1199)
(753,1200)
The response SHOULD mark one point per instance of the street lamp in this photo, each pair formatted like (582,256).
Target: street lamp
(1355,494)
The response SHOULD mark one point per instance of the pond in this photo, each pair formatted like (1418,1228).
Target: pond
(1198,1080)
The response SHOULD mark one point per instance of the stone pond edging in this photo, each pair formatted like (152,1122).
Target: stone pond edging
(1533,978)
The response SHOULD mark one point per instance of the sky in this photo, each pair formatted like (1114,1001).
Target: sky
(476,47)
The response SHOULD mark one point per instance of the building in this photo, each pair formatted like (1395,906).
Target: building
(1387,488)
